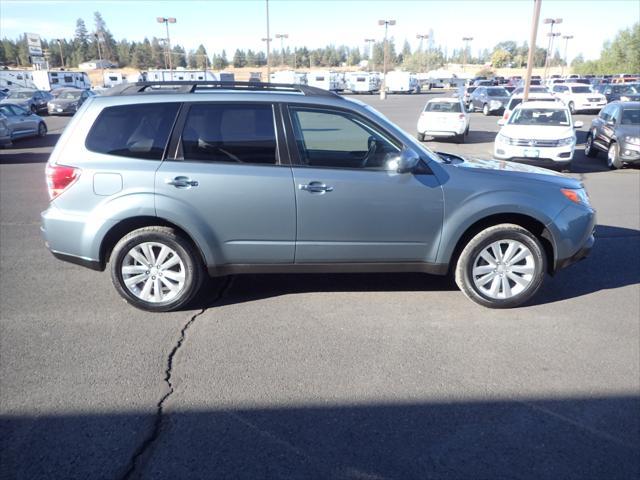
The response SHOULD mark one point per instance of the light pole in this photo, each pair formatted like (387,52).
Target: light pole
(566,46)
(98,40)
(422,37)
(368,43)
(282,36)
(466,41)
(386,23)
(167,21)
(552,22)
(268,40)
(61,56)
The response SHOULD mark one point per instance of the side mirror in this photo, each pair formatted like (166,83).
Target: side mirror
(578,124)
(405,162)
(501,122)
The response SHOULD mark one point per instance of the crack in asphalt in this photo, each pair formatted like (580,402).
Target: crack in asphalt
(157,424)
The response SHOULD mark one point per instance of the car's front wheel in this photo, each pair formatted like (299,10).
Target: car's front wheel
(589,149)
(42,129)
(572,108)
(501,267)
(485,110)
(156,269)
(613,156)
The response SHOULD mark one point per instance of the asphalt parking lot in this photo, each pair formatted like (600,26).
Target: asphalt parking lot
(320,376)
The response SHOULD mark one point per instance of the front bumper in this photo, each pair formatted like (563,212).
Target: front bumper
(629,153)
(61,110)
(573,232)
(585,106)
(556,155)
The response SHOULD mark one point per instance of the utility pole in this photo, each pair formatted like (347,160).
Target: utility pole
(268,40)
(532,48)
(552,21)
(98,38)
(167,21)
(61,56)
(422,37)
(386,23)
(368,42)
(466,41)
(566,46)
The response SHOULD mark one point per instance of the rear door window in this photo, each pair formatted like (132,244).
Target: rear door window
(236,133)
(137,131)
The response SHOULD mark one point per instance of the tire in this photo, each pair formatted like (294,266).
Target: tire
(613,157)
(572,108)
(461,138)
(187,270)
(485,110)
(33,109)
(589,149)
(509,293)
(420,136)
(42,129)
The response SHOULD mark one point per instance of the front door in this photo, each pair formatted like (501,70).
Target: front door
(351,207)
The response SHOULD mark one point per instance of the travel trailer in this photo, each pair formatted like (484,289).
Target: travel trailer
(402,82)
(111,79)
(332,81)
(16,79)
(363,82)
(43,79)
(187,75)
(289,76)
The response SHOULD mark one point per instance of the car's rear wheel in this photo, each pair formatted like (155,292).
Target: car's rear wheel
(42,129)
(485,110)
(572,108)
(155,269)
(501,267)
(613,156)
(589,149)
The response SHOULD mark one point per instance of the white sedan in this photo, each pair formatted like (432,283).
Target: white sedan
(538,132)
(444,117)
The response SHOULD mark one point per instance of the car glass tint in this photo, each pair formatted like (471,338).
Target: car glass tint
(497,92)
(241,133)
(581,90)
(630,116)
(543,117)
(138,131)
(339,140)
(443,107)
(514,103)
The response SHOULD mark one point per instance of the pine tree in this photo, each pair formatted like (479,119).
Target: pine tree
(239,59)
(202,60)
(223,59)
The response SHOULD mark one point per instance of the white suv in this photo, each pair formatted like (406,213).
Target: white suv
(579,97)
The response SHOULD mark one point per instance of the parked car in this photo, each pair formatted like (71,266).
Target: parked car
(627,92)
(167,185)
(34,100)
(466,96)
(517,99)
(532,89)
(616,130)
(579,97)
(16,123)
(483,83)
(509,88)
(68,101)
(444,117)
(514,80)
(540,133)
(489,99)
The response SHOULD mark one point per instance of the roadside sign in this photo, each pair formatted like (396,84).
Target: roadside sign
(33,44)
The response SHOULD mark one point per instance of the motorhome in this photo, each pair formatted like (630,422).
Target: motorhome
(43,79)
(401,82)
(289,76)
(363,82)
(332,81)
(16,79)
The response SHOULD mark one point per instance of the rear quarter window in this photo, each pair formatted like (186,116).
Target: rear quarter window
(137,131)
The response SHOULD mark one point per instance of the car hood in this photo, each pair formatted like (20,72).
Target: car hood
(512,169)
(537,132)
(15,101)
(63,101)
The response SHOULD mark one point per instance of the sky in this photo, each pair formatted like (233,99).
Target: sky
(231,24)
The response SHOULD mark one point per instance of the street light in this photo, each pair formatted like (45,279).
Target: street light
(167,21)
(282,36)
(386,23)
(61,57)
(552,22)
(368,43)
(466,41)
(566,46)
(422,37)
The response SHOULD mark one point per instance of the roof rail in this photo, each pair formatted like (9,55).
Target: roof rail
(183,86)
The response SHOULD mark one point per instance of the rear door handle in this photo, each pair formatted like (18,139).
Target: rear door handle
(181,182)
(315,187)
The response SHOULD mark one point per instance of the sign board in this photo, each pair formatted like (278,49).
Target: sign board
(33,44)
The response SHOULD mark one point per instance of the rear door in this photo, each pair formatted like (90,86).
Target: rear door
(229,182)
(350,207)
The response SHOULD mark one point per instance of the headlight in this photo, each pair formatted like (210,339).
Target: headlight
(578,195)
(565,141)
(503,138)
(630,139)
(624,98)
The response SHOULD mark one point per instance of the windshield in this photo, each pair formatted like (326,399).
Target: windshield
(532,90)
(540,116)
(630,116)
(18,94)
(497,92)
(443,107)
(69,95)
(580,89)
(630,88)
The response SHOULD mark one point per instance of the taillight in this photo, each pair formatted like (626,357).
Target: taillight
(59,178)
(506,116)
(461,116)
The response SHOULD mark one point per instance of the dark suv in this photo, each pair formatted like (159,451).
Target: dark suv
(616,130)
(168,183)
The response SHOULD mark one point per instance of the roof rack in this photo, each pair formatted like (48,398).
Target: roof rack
(203,86)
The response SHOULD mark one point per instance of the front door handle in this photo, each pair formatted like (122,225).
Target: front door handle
(181,182)
(316,187)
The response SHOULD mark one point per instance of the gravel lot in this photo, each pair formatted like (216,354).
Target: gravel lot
(320,376)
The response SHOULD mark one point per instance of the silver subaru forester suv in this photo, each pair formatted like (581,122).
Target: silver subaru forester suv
(167,183)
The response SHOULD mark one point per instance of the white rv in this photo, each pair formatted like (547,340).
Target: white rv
(332,81)
(402,82)
(178,75)
(48,80)
(363,82)
(111,79)
(16,79)
(289,76)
